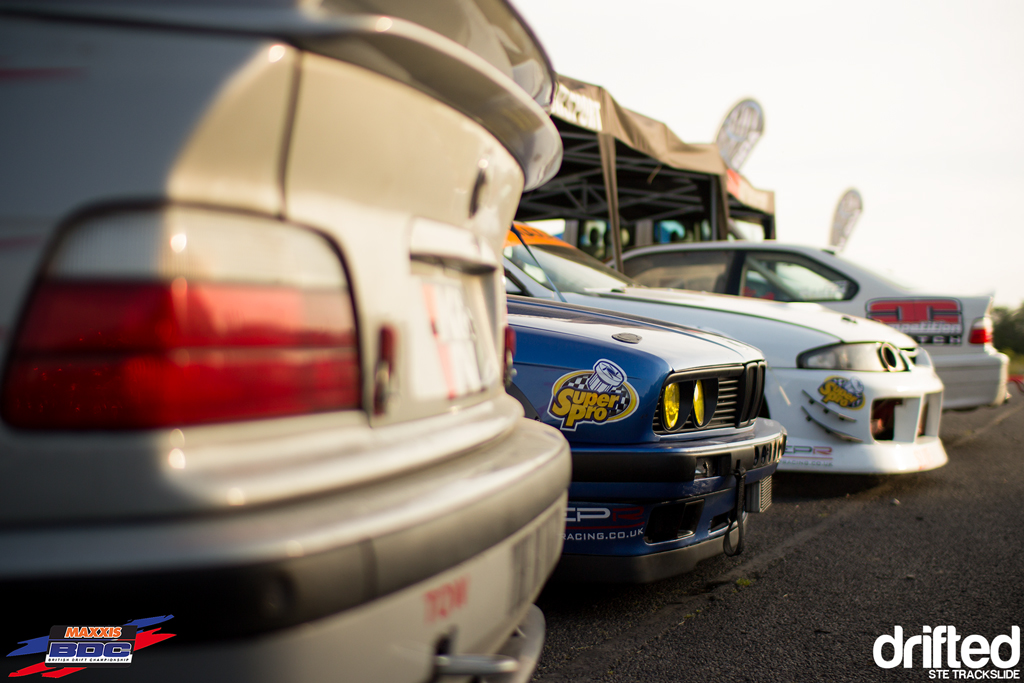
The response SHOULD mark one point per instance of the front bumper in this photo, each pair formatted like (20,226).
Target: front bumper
(643,513)
(642,568)
(926,453)
(833,419)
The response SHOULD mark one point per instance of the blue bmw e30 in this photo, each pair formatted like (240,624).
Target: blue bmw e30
(669,454)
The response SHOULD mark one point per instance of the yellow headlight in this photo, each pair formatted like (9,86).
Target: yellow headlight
(698,403)
(670,406)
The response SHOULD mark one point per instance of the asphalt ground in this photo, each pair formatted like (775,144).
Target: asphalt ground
(836,562)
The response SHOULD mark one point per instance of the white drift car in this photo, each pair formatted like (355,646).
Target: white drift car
(855,396)
(956,330)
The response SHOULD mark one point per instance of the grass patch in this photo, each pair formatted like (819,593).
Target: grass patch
(743,583)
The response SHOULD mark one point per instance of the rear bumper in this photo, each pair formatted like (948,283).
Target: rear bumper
(327,576)
(474,608)
(972,379)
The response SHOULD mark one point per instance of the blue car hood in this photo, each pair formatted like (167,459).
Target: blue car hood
(681,348)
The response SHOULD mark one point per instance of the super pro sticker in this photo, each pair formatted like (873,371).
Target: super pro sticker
(595,396)
(844,392)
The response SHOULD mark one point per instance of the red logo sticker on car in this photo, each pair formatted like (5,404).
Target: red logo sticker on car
(929,321)
(442,601)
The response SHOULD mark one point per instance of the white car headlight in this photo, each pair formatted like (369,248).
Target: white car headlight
(863,357)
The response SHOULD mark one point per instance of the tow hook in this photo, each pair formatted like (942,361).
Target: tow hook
(737,515)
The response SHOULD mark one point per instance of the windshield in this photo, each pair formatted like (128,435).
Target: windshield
(571,269)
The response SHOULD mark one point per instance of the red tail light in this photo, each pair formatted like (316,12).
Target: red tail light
(98,352)
(981,331)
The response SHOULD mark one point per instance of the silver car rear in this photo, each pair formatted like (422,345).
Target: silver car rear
(254,335)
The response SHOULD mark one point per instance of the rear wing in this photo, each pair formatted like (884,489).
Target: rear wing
(503,79)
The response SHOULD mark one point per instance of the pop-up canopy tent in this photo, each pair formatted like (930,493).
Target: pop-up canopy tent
(631,173)
(747,203)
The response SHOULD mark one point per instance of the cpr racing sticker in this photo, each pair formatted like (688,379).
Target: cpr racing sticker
(844,392)
(929,321)
(597,396)
(808,456)
(603,523)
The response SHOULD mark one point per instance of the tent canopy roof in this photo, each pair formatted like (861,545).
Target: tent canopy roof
(658,175)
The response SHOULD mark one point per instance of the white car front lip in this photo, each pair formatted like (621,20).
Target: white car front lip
(892,458)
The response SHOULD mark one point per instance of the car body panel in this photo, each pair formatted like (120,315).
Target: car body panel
(974,374)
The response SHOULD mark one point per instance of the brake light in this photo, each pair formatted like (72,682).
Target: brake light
(183,317)
(981,331)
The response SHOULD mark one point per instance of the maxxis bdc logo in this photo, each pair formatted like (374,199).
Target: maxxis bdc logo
(596,396)
(99,646)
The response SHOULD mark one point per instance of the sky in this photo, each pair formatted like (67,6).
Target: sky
(918,105)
